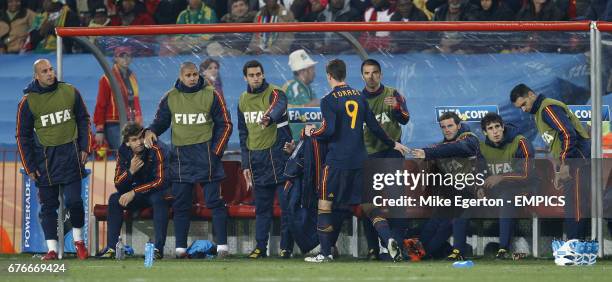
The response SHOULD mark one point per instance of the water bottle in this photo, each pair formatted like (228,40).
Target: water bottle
(119,250)
(463,264)
(149,252)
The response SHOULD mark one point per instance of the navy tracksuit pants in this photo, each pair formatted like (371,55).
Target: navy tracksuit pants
(153,199)
(183,198)
(49,203)
(264,208)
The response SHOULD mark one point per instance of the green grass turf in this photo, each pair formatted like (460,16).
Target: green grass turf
(273,269)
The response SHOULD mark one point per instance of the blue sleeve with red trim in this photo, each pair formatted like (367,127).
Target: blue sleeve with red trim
(243,133)
(278,105)
(222,128)
(375,127)
(328,126)
(83,124)
(521,164)
(158,171)
(556,118)
(25,135)
(123,177)
(400,112)
(163,117)
(462,148)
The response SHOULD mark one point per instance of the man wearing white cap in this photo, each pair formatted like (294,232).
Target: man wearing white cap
(298,91)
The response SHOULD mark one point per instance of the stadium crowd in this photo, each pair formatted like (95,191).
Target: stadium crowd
(28,25)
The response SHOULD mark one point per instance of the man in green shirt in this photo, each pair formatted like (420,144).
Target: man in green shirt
(297,90)
(197,13)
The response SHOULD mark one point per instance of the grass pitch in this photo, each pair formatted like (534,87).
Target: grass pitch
(273,269)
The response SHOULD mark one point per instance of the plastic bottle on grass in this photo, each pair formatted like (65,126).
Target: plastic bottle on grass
(149,250)
(120,250)
(463,264)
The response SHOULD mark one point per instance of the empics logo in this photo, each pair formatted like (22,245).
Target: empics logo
(305,115)
(468,113)
(583,112)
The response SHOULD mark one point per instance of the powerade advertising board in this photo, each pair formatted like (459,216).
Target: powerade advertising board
(32,236)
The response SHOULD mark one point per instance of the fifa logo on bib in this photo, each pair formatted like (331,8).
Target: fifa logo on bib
(500,168)
(55,118)
(253,117)
(190,119)
(382,118)
(547,137)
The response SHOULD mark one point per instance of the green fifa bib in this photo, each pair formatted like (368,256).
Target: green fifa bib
(550,135)
(191,119)
(253,107)
(499,160)
(384,116)
(54,121)
(457,165)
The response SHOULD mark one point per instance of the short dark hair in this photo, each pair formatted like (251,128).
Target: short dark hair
(448,115)
(206,63)
(520,90)
(252,64)
(489,119)
(337,69)
(131,129)
(370,62)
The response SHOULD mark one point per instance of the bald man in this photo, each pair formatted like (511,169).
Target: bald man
(54,141)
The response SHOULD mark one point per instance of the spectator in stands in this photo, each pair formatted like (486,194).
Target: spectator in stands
(381,11)
(540,10)
(361,5)
(336,11)
(106,115)
(455,10)
(308,10)
(275,42)
(233,44)
(340,11)
(16,21)
(239,13)
(197,13)
(168,10)
(209,69)
(404,41)
(407,12)
(132,12)
(42,37)
(599,10)
(298,90)
(99,19)
(492,10)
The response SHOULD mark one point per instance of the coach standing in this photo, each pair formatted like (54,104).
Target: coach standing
(566,139)
(264,130)
(201,127)
(54,141)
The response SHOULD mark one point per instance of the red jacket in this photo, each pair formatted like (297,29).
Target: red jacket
(106,108)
